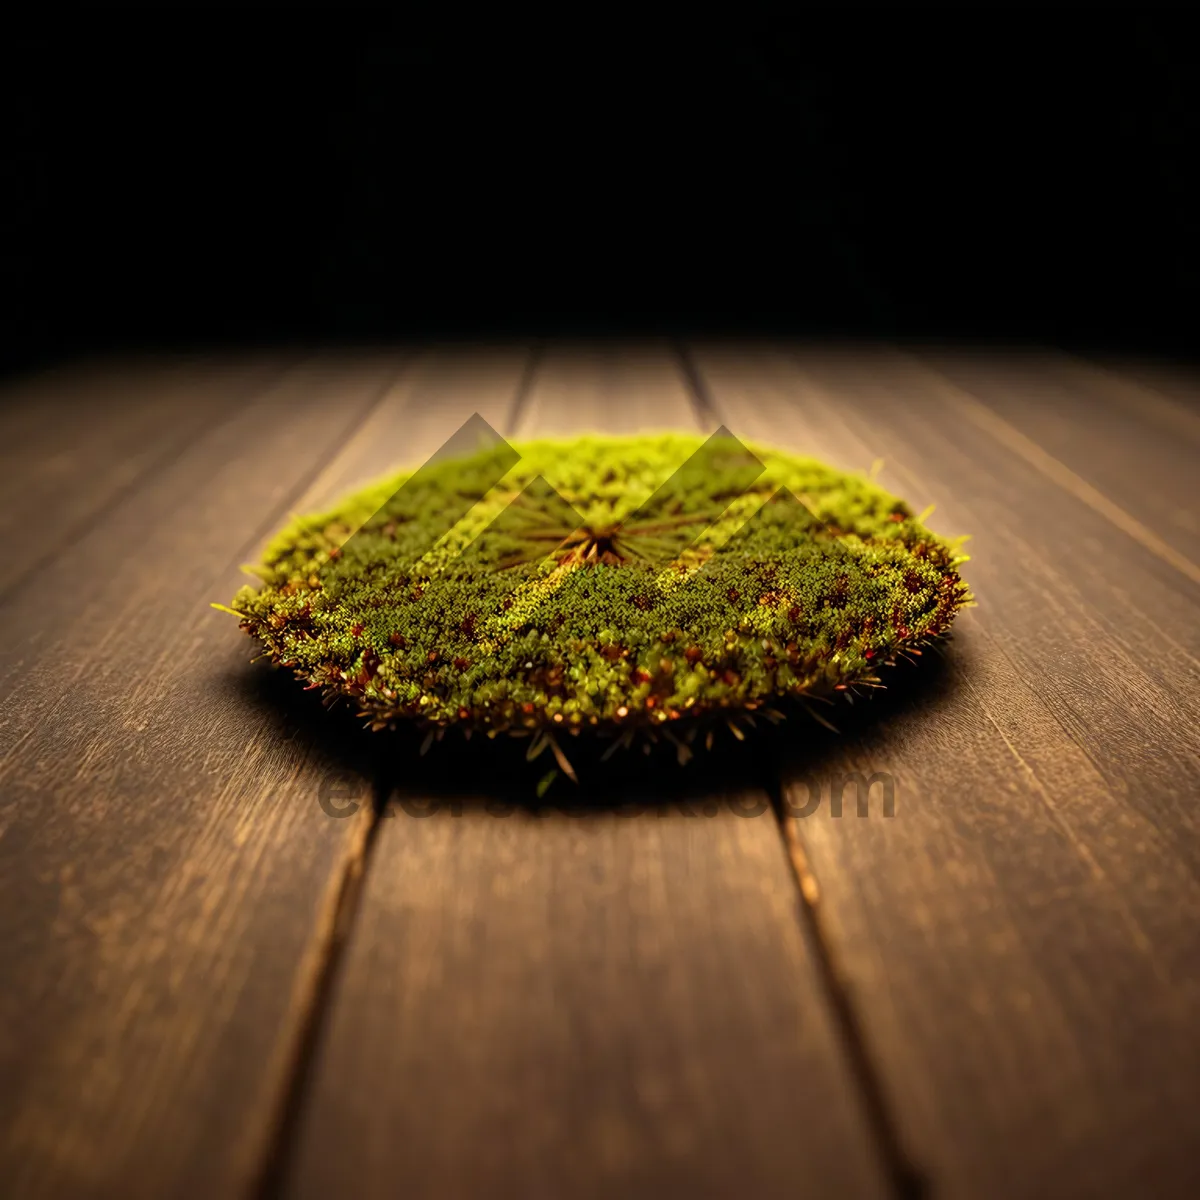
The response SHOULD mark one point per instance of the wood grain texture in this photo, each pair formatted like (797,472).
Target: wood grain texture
(76,440)
(1021,941)
(1113,437)
(1166,393)
(167,881)
(212,986)
(606,1003)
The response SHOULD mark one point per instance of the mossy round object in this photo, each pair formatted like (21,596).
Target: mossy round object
(608,583)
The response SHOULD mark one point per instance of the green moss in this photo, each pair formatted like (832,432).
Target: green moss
(565,600)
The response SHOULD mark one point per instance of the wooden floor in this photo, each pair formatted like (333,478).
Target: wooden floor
(211,987)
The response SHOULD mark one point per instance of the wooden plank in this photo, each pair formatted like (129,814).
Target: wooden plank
(1021,941)
(604,1003)
(75,440)
(1167,392)
(1108,435)
(168,883)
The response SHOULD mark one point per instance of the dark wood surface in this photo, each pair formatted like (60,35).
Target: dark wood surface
(559,1005)
(1022,940)
(213,987)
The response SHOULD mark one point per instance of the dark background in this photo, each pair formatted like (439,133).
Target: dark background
(233,177)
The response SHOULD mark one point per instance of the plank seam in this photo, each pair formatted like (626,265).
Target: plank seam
(699,395)
(524,388)
(339,921)
(907,1180)
(280,1155)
